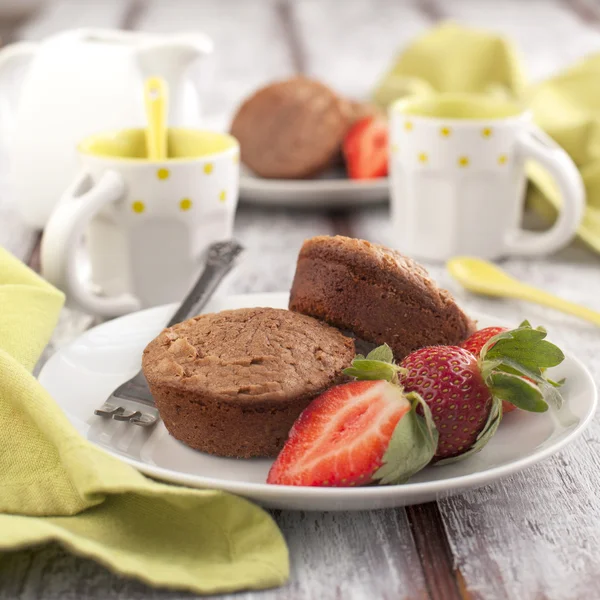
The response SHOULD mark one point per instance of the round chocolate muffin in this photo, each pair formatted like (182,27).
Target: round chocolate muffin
(234,382)
(377,294)
(291,129)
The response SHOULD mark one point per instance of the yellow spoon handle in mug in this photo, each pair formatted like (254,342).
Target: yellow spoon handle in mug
(533,294)
(156,99)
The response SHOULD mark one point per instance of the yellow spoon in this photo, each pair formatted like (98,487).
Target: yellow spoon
(156,97)
(482,277)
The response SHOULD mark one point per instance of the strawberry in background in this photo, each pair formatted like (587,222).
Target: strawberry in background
(365,148)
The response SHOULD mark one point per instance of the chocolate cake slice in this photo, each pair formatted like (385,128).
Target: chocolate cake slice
(377,294)
(234,382)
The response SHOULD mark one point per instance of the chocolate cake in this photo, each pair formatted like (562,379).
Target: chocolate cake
(377,294)
(234,382)
(291,129)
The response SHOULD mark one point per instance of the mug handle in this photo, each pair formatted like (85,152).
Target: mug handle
(67,224)
(535,144)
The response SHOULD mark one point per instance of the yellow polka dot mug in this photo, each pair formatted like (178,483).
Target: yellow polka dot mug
(457,178)
(146,224)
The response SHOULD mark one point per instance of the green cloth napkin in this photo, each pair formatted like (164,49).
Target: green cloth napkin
(567,107)
(451,58)
(57,487)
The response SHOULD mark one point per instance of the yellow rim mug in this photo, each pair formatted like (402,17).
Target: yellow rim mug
(457,178)
(146,223)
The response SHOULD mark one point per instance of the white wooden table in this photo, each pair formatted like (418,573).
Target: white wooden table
(535,535)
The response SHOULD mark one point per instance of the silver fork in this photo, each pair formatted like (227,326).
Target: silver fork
(132,401)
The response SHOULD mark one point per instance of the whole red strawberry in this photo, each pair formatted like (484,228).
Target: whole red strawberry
(466,393)
(449,380)
(475,344)
(354,434)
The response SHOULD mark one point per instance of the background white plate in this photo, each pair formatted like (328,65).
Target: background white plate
(82,375)
(332,190)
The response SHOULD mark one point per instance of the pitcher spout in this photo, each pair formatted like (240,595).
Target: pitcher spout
(170,55)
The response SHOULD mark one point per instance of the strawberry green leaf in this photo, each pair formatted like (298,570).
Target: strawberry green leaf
(483,438)
(412,446)
(508,365)
(509,334)
(373,370)
(527,325)
(518,391)
(379,364)
(524,352)
(383,353)
(519,353)
(547,388)
(526,347)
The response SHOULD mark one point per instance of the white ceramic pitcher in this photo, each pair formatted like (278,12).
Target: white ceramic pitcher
(80,82)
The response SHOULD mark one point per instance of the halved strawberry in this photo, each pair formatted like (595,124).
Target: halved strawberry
(475,343)
(365,149)
(344,438)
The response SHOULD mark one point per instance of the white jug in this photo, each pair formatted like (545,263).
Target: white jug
(80,82)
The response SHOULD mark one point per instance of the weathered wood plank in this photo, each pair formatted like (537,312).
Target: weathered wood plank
(350,47)
(272,238)
(57,15)
(434,551)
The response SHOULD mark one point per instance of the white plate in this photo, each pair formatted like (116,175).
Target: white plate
(329,191)
(82,375)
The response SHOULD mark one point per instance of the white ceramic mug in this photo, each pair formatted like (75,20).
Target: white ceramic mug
(146,223)
(457,177)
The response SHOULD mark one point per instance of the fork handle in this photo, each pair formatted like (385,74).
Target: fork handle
(221,258)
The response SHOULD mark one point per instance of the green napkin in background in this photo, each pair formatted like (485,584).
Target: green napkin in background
(451,58)
(567,107)
(57,487)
